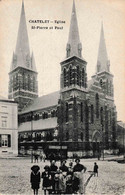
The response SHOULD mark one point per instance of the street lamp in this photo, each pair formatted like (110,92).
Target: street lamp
(102,142)
(32,137)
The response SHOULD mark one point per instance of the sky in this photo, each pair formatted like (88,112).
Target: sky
(49,45)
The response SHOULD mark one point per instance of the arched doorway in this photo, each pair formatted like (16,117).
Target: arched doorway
(96,144)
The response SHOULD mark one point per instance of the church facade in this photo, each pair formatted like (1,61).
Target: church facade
(81,117)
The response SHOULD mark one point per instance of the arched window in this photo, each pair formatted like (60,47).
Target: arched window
(81,135)
(81,111)
(70,75)
(74,75)
(78,75)
(53,113)
(110,88)
(17,80)
(97,105)
(34,83)
(64,76)
(107,87)
(29,83)
(67,112)
(26,82)
(45,115)
(101,115)
(83,78)
(92,114)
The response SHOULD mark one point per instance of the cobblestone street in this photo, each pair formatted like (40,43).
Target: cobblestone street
(15,177)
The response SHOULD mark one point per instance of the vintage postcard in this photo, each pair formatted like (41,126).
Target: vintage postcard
(62,92)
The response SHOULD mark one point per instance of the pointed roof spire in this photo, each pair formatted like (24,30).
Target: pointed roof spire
(22,57)
(102,61)
(74,46)
(22,45)
(22,39)
(33,64)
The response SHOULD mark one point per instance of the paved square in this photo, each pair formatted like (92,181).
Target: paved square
(15,177)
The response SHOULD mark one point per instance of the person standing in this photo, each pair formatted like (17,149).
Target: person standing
(79,169)
(47,182)
(63,167)
(95,169)
(53,170)
(35,178)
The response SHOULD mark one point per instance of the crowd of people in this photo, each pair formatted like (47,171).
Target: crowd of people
(60,180)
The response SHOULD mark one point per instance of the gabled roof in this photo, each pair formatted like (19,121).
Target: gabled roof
(42,102)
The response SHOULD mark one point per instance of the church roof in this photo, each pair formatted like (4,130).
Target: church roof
(42,102)
(42,124)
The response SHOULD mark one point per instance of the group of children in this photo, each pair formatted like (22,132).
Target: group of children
(60,180)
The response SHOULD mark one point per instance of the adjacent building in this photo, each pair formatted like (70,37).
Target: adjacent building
(80,117)
(8,127)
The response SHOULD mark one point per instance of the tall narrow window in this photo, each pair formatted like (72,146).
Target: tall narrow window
(70,76)
(81,135)
(97,105)
(107,87)
(110,88)
(81,111)
(34,84)
(67,112)
(17,81)
(64,76)
(29,83)
(92,114)
(77,75)
(83,78)
(101,115)
(26,82)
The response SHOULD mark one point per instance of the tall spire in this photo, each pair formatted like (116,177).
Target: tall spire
(74,46)
(22,45)
(21,56)
(102,62)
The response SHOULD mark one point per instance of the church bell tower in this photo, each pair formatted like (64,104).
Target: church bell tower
(73,90)
(23,86)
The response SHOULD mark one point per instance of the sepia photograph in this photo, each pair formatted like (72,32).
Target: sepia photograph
(62,97)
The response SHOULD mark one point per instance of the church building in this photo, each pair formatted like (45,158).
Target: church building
(80,117)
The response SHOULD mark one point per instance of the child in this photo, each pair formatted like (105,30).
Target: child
(35,178)
(95,169)
(59,182)
(47,182)
(75,182)
(69,183)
